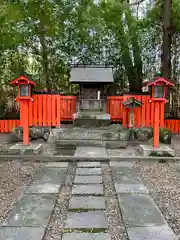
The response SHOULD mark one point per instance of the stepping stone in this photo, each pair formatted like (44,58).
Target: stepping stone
(43,188)
(88,164)
(88,179)
(121,164)
(88,171)
(47,181)
(149,233)
(86,236)
(50,175)
(124,173)
(140,210)
(90,202)
(57,164)
(130,186)
(93,219)
(90,189)
(22,233)
(90,152)
(32,211)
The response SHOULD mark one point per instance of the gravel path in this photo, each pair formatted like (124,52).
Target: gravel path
(162,180)
(117,229)
(14,176)
(56,225)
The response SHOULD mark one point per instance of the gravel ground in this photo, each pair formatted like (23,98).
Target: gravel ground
(48,149)
(14,176)
(116,227)
(129,151)
(56,225)
(175,143)
(162,180)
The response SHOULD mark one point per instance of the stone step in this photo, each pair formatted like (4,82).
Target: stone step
(83,134)
(91,143)
(97,110)
(91,118)
(87,134)
(91,114)
(91,122)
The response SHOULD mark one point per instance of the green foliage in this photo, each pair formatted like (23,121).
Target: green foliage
(44,37)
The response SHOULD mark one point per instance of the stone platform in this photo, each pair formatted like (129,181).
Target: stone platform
(92,143)
(163,150)
(20,149)
(108,137)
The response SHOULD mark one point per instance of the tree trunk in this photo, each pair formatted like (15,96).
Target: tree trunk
(134,81)
(44,54)
(131,23)
(175,63)
(167,38)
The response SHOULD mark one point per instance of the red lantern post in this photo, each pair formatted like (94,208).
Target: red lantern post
(24,97)
(159,91)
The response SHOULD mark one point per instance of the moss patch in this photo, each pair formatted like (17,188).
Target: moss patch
(86,230)
(83,209)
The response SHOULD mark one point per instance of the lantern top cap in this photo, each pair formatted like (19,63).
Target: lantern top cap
(161,81)
(23,78)
(134,101)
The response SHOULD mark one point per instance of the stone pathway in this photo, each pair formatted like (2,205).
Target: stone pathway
(30,216)
(90,152)
(93,201)
(142,217)
(87,205)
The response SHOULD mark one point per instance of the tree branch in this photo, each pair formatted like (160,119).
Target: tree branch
(137,2)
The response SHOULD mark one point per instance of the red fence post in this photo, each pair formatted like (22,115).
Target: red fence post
(156,125)
(24,119)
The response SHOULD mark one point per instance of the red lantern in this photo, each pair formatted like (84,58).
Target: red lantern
(25,85)
(158,97)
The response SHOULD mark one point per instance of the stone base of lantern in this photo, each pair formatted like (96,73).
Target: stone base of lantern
(163,150)
(20,149)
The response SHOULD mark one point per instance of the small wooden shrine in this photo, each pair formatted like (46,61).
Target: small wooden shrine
(93,81)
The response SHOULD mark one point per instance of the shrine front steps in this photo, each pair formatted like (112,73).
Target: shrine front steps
(91,143)
(88,122)
(90,118)
(85,137)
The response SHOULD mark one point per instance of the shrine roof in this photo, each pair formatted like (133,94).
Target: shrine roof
(91,74)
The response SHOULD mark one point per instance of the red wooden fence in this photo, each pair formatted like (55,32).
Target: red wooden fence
(8,125)
(45,110)
(114,106)
(143,116)
(50,110)
(173,125)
